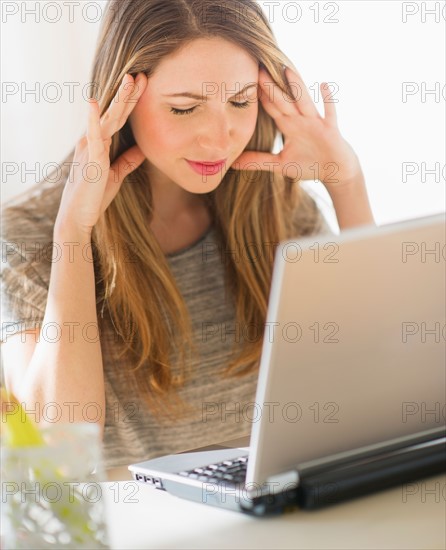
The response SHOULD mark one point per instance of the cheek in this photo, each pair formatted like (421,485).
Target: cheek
(250,122)
(151,128)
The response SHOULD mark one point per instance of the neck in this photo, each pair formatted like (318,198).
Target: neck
(179,217)
(169,200)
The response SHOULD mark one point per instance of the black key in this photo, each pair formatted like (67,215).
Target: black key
(235,468)
(239,479)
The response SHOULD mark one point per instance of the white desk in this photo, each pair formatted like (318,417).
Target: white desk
(140,516)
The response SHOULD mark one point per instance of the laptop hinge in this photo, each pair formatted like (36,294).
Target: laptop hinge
(280,482)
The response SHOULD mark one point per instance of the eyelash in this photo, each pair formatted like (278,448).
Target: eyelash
(189,111)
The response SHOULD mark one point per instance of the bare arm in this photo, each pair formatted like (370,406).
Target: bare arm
(63,365)
(66,365)
(351,203)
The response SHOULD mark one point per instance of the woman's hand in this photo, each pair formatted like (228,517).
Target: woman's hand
(93,183)
(313,146)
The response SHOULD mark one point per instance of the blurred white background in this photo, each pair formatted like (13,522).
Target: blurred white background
(386,58)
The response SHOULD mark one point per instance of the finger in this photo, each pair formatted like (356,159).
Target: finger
(253,160)
(329,106)
(95,142)
(119,170)
(82,144)
(303,99)
(135,87)
(115,109)
(126,163)
(122,104)
(274,99)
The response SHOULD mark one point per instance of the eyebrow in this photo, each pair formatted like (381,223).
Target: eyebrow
(197,96)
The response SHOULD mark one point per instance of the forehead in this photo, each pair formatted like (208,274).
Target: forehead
(206,60)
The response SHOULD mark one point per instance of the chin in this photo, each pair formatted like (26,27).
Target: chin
(207,184)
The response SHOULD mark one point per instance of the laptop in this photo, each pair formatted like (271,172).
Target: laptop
(352,372)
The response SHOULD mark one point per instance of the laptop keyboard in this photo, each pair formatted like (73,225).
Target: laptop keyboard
(228,472)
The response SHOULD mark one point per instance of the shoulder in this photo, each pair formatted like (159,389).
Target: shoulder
(30,219)
(30,215)
(27,230)
(27,242)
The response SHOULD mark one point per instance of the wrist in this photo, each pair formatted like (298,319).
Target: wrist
(351,203)
(346,185)
(66,231)
(343,174)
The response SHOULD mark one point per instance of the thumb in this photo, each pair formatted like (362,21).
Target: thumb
(253,160)
(127,163)
(124,165)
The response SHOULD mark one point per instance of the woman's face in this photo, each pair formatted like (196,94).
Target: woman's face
(216,126)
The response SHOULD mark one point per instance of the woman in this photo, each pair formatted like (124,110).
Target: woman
(147,314)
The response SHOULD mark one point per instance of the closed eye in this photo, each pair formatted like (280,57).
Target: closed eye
(182,112)
(192,109)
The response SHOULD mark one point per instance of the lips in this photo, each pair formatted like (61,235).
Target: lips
(207,168)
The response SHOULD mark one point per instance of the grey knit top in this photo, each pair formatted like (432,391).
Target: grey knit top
(132,433)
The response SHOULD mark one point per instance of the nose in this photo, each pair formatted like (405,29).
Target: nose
(215,134)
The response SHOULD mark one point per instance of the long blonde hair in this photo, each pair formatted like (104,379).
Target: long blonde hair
(255,208)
